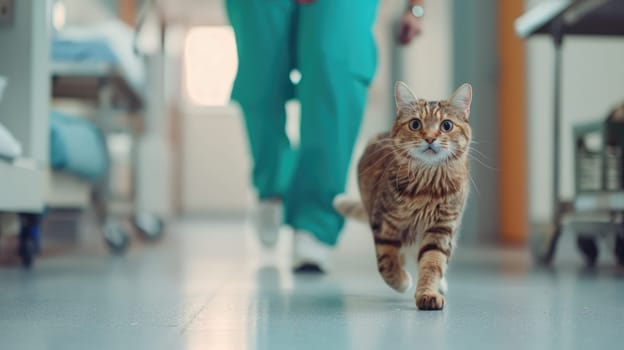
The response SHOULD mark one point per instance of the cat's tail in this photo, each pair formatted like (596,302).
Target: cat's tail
(350,208)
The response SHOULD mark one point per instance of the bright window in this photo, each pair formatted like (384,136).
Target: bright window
(59,15)
(210,65)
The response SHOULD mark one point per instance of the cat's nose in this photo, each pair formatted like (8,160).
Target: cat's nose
(430,140)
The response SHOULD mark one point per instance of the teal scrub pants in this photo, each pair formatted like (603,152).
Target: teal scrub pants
(330,42)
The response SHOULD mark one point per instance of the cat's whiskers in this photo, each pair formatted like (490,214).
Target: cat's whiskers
(397,177)
(454,154)
(394,149)
(474,183)
(382,177)
(478,153)
(386,145)
(473,141)
(473,157)
(410,171)
(377,162)
(394,152)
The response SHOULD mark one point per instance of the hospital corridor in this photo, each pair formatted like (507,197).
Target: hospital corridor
(311,174)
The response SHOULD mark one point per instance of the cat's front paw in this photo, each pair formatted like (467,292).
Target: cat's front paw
(429,300)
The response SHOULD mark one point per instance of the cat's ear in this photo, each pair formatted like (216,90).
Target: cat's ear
(403,95)
(461,99)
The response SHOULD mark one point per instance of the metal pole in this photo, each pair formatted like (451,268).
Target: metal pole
(557,30)
(558,40)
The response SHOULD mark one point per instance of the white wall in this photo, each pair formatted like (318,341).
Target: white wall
(426,65)
(593,82)
(215,162)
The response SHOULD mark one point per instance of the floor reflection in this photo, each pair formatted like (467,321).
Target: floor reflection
(311,312)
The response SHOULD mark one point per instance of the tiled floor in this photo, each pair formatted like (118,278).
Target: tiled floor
(207,286)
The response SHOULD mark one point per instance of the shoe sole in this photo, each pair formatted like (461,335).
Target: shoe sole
(308,268)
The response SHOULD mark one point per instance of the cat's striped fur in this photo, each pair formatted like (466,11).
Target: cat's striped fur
(414,183)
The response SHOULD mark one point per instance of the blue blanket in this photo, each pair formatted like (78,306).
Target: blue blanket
(64,50)
(78,147)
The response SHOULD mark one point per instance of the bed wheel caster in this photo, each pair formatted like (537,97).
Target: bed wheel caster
(149,226)
(116,237)
(29,238)
(589,248)
(544,247)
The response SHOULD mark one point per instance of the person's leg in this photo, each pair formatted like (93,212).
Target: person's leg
(264,37)
(336,57)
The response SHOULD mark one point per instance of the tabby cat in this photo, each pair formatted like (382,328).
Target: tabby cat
(414,183)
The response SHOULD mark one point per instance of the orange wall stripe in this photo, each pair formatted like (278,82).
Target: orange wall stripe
(512,121)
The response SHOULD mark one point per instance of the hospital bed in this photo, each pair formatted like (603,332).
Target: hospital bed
(597,211)
(97,67)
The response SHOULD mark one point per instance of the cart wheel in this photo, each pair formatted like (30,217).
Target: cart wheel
(27,248)
(544,247)
(150,226)
(116,237)
(29,237)
(587,245)
(619,249)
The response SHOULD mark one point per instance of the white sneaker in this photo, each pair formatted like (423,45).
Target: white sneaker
(268,219)
(310,255)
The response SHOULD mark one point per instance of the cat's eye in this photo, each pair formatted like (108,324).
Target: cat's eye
(414,124)
(446,126)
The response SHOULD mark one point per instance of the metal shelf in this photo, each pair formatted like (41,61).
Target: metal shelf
(560,18)
(575,17)
(22,186)
(599,201)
